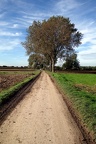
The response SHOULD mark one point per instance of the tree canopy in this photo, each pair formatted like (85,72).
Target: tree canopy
(53,38)
(37,61)
(71,62)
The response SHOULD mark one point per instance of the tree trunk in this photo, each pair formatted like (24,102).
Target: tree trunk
(52,65)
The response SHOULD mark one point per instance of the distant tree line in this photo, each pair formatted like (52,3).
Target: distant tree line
(61,68)
(13,67)
(81,68)
(89,68)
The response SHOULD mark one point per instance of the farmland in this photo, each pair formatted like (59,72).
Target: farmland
(41,117)
(80,89)
(44,100)
(11,81)
(8,79)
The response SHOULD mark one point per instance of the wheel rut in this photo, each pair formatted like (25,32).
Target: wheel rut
(42,117)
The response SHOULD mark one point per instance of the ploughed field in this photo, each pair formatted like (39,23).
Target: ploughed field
(12,81)
(8,79)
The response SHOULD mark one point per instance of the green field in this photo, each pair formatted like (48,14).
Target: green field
(81,91)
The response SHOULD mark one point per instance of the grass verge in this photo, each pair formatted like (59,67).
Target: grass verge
(80,90)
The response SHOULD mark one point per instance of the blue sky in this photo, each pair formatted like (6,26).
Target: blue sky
(17,15)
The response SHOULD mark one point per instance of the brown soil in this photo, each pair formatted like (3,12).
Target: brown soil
(42,117)
(6,81)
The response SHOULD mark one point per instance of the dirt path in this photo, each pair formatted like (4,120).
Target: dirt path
(41,117)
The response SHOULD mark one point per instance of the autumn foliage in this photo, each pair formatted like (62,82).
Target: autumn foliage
(53,38)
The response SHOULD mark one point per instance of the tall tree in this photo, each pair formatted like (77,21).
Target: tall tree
(37,61)
(53,38)
(71,62)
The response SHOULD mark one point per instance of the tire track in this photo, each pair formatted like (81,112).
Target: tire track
(41,117)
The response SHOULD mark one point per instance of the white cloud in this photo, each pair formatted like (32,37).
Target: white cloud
(60,62)
(88,29)
(4,23)
(5,33)
(9,44)
(87,51)
(15,26)
(28,17)
(90,50)
(88,57)
(66,5)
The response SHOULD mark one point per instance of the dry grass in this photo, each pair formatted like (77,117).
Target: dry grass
(90,89)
